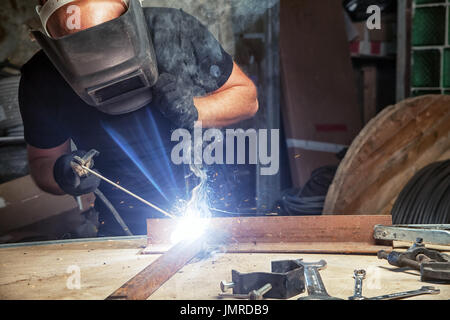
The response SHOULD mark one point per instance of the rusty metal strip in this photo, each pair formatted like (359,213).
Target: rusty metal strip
(308,229)
(144,284)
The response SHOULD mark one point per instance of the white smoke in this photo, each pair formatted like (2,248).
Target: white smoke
(195,215)
(224,18)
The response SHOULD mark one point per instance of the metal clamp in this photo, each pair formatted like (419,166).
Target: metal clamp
(286,280)
(432,264)
(431,234)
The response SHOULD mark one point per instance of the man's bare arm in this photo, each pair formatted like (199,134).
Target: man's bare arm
(41,162)
(235,101)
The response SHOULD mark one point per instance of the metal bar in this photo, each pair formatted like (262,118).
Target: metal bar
(315,145)
(424,226)
(331,234)
(402,47)
(268,187)
(11,140)
(69,241)
(126,191)
(144,284)
(437,234)
(282,229)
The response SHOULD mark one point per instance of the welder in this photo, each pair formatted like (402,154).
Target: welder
(119,78)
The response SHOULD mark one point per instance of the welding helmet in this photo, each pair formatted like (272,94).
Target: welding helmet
(111,66)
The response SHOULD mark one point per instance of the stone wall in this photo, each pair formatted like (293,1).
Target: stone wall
(224,18)
(16,17)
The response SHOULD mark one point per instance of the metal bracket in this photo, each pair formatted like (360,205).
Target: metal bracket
(287,280)
(432,234)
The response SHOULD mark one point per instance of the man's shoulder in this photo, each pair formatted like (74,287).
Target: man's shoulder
(39,70)
(41,80)
(38,62)
(168,17)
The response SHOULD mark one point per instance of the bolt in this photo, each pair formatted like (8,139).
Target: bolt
(259,294)
(253,295)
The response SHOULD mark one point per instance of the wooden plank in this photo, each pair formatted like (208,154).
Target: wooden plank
(144,284)
(281,229)
(400,141)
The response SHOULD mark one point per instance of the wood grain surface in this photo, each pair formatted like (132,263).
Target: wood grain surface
(40,272)
(400,141)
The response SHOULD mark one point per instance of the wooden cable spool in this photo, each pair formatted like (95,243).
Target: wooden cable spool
(395,145)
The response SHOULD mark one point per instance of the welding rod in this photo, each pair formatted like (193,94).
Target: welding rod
(126,191)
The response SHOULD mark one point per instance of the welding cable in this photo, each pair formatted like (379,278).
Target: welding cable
(426,197)
(310,199)
(113,210)
(251,212)
(296,205)
(320,182)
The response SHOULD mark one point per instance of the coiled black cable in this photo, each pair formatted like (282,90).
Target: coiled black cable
(426,197)
(311,198)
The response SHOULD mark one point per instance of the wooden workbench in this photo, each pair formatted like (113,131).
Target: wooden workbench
(40,272)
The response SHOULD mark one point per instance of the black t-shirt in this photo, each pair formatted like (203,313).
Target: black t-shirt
(134,148)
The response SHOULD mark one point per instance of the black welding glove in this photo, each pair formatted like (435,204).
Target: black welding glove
(175,100)
(69,181)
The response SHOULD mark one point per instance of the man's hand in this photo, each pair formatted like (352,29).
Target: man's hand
(69,181)
(175,100)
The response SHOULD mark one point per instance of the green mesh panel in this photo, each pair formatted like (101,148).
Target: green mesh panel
(426,68)
(417,93)
(429,26)
(428,1)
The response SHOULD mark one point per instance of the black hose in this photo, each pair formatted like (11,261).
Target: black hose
(311,198)
(426,197)
(113,210)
